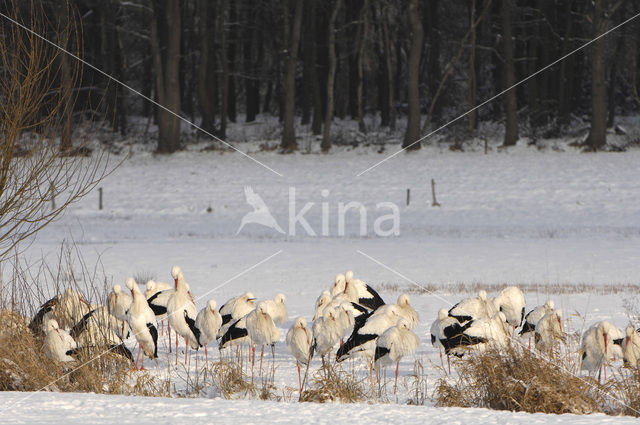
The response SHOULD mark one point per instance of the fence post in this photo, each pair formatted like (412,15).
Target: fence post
(434,203)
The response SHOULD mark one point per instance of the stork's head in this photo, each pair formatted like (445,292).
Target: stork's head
(211,305)
(117,289)
(628,334)
(250,298)
(348,276)
(404,300)
(262,309)
(549,305)
(300,323)
(403,324)
(442,314)
(559,318)
(52,325)
(176,273)
(279,298)
(482,295)
(131,285)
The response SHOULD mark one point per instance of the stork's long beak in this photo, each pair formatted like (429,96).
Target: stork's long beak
(560,323)
(346,285)
(605,341)
(175,283)
(626,342)
(307,334)
(132,293)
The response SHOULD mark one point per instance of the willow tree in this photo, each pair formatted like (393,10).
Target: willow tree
(38,179)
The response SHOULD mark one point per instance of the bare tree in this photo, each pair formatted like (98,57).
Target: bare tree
(412,133)
(165,47)
(34,100)
(206,71)
(511,105)
(326,135)
(364,13)
(597,138)
(292,41)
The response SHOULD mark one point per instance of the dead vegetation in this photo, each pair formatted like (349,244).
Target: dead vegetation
(25,367)
(518,380)
(332,383)
(534,288)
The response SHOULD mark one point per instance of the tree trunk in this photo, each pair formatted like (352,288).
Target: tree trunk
(597,138)
(326,136)
(364,17)
(288,132)
(232,44)
(167,66)
(413,67)
(251,66)
(389,69)
(473,85)
(316,122)
(222,18)
(511,105)
(206,71)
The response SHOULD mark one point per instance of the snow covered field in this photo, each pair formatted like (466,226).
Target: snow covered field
(555,219)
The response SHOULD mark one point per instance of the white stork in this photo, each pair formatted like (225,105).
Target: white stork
(299,342)
(396,342)
(182,314)
(208,323)
(262,331)
(143,323)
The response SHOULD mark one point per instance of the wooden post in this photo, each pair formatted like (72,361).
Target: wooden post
(408,196)
(434,203)
(99,198)
(53,197)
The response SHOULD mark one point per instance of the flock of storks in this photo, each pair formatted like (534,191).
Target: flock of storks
(350,319)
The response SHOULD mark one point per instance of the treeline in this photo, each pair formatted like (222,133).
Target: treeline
(220,61)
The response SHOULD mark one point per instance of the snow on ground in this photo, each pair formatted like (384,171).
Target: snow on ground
(522,216)
(47,408)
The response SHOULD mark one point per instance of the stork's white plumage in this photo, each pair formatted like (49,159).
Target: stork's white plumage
(277,309)
(549,330)
(235,309)
(482,333)
(631,347)
(597,347)
(99,327)
(299,341)
(396,342)
(473,308)
(404,309)
(366,295)
(119,302)
(362,341)
(262,331)
(182,314)
(208,323)
(511,302)
(235,335)
(57,342)
(71,307)
(338,286)
(143,323)
(446,332)
(152,287)
(531,320)
(327,332)
(323,300)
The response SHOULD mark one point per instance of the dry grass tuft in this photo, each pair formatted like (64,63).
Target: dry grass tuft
(229,378)
(517,380)
(332,383)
